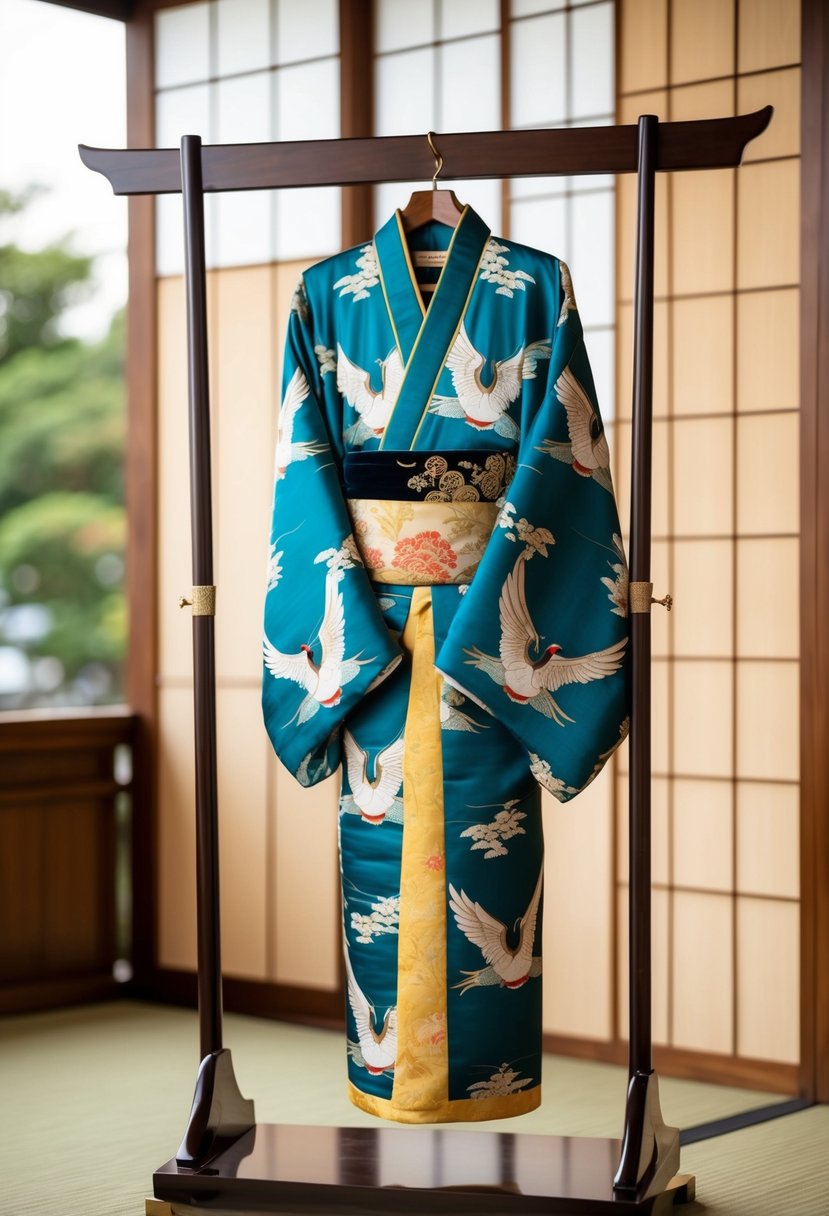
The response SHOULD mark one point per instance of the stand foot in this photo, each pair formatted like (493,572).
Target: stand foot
(683,1187)
(650,1149)
(219,1115)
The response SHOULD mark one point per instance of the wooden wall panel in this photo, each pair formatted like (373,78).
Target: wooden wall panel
(702,39)
(726,539)
(175,659)
(702,989)
(702,835)
(768,224)
(305,877)
(58,883)
(768,721)
(768,840)
(578,914)
(769,34)
(245,399)
(644,44)
(278,841)
(768,320)
(176,829)
(702,370)
(768,980)
(243,831)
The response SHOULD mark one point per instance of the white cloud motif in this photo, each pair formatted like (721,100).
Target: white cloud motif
(274,567)
(501,1084)
(494,270)
(617,587)
(491,836)
(384,918)
(326,359)
(543,774)
(367,275)
(535,539)
(344,558)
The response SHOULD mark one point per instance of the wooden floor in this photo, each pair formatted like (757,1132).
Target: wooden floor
(96,1098)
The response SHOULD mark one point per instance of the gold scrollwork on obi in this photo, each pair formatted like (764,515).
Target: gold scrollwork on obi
(421,544)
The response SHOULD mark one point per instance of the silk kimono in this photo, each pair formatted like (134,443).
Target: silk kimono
(446,619)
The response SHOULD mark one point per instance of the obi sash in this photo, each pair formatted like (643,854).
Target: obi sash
(424,518)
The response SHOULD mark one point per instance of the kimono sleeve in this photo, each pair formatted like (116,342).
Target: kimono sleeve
(325,643)
(540,639)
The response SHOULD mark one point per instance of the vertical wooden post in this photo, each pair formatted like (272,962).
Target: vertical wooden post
(219,1115)
(204,680)
(650,1150)
(640,621)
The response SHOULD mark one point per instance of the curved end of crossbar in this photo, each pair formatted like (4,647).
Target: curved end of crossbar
(754,124)
(99,160)
(749,127)
(87,155)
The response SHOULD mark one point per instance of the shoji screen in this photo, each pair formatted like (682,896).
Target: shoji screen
(240,70)
(726,860)
(562,73)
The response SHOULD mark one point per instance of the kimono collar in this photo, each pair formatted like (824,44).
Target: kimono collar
(425,336)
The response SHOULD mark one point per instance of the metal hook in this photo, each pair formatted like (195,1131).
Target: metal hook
(438,159)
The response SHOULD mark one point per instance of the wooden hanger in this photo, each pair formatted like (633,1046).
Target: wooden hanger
(434,204)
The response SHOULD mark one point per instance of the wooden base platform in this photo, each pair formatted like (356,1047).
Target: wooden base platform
(283,1168)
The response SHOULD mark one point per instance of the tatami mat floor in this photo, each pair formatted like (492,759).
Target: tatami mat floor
(95,1098)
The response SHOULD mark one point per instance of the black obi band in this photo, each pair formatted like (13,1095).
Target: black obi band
(471,475)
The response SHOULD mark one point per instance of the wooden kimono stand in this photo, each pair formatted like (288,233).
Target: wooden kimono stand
(226,1160)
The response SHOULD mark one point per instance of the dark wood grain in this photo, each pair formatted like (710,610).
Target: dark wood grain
(356,110)
(814,551)
(258,998)
(703,144)
(412,1170)
(141,475)
(57,856)
(204,655)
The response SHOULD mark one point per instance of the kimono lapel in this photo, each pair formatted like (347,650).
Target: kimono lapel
(403,301)
(425,336)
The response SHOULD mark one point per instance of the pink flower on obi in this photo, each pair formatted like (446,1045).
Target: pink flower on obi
(435,862)
(425,553)
(373,558)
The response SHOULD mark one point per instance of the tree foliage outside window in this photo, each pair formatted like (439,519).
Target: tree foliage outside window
(62,519)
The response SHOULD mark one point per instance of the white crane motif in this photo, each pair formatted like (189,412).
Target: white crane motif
(374,408)
(587,452)
(323,681)
(288,451)
(508,967)
(377,1051)
(379,799)
(485,406)
(531,682)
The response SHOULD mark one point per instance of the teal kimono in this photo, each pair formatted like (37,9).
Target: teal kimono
(446,618)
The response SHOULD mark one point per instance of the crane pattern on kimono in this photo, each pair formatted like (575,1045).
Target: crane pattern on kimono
(289,450)
(452,717)
(587,452)
(375,1050)
(485,406)
(322,680)
(373,407)
(378,799)
(507,966)
(532,682)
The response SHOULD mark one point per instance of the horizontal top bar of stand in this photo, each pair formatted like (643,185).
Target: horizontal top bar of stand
(703,144)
